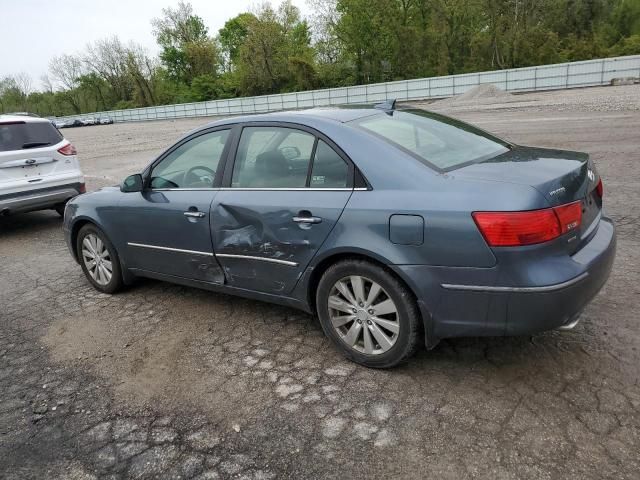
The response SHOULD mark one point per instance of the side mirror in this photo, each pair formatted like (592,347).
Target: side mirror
(133,183)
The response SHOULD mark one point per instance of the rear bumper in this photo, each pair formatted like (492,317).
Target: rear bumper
(477,303)
(559,307)
(39,199)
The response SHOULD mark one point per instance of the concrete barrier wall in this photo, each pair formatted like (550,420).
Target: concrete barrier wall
(545,77)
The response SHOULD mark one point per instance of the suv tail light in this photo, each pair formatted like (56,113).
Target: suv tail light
(83,188)
(511,229)
(68,149)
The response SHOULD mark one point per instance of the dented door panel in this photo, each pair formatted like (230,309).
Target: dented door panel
(262,242)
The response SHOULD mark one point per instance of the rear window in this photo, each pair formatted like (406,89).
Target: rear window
(22,135)
(435,140)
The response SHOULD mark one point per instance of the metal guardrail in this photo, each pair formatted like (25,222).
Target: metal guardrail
(545,77)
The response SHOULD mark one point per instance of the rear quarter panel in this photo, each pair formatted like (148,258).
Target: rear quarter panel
(451,237)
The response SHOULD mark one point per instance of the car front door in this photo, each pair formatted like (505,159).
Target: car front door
(285,190)
(167,225)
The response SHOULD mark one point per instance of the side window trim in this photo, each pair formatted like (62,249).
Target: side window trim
(221,166)
(235,139)
(311,160)
(236,133)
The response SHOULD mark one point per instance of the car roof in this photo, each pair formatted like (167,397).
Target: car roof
(21,118)
(304,117)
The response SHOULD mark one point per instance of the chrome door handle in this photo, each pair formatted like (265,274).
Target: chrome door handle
(307,219)
(194,214)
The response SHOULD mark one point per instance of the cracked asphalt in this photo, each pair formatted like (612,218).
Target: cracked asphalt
(163,381)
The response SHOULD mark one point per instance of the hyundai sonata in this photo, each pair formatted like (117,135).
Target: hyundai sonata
(395,227)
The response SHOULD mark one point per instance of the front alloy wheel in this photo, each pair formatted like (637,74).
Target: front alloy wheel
(99,259)
(96,259)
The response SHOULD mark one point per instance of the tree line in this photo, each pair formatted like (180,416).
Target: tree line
(342,42)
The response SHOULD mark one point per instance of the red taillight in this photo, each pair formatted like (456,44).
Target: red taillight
(83,188)
(569,216)
(510,229)
(600,188)
(68,149)
(507,229)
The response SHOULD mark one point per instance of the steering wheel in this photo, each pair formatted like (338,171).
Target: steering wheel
(206,179)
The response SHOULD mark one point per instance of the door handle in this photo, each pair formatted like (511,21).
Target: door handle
(307,219)
(194,214)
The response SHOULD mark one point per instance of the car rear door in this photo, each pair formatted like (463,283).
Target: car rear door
(285,188)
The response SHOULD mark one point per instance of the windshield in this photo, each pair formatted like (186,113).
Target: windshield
(435,140)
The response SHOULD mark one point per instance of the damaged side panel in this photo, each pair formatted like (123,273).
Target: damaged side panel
(257,240)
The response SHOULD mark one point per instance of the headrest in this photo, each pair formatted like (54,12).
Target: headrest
(272,163)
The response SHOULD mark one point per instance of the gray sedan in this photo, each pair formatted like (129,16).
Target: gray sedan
(396,227)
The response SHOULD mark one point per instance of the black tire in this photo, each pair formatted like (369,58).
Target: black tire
(60,208)
(408,316)
(115,283)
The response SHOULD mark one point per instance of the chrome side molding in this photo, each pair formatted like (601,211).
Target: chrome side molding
(544,288)
(210,254)
(169,249)
(262,259)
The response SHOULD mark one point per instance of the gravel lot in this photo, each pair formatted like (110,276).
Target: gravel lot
(163,381)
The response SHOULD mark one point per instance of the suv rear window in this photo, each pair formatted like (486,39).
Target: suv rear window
(23,135)
(437,141)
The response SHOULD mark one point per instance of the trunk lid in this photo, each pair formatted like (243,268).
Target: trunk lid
(560,176)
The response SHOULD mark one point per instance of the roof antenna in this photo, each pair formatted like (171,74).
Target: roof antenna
(388,106)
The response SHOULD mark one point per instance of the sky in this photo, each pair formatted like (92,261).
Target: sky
(34,31)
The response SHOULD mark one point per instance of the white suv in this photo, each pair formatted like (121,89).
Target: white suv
(38,167)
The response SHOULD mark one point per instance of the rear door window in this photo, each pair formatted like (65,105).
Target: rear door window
(23,135)
(329,169)
(272,157)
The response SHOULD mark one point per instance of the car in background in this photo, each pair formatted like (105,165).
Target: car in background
(390,225)
(59,123)
(105,121)
(39,168)
(89,121)
(76,122)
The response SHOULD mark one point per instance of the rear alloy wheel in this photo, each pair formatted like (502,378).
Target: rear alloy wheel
(363,315)
(368,313)
(99,259)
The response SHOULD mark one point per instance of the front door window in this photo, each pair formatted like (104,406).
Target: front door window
(193,164)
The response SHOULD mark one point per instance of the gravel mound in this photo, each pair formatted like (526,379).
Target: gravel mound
(479,94)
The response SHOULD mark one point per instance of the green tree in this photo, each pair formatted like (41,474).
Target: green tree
(276,54)
(187,50)
(233,35)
